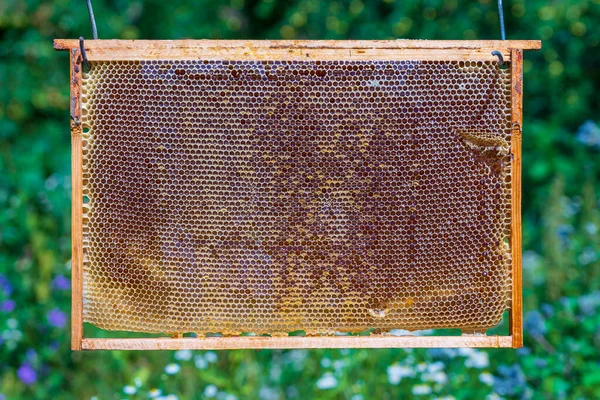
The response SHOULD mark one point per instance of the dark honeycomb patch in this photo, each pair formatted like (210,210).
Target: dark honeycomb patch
(269,197)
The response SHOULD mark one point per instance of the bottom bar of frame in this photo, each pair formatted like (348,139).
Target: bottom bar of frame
(296,342)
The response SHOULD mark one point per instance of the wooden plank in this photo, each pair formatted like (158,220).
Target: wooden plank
(421,50)
(76,201)
(296,342)
(64,44)
(516,315)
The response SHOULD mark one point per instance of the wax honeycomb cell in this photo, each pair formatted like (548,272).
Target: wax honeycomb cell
(273,196)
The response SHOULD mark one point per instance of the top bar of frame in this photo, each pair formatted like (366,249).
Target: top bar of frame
(424,50)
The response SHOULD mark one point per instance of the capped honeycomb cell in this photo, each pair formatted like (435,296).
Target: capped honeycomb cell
(274,196)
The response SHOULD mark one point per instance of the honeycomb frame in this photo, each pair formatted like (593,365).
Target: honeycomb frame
(498,152)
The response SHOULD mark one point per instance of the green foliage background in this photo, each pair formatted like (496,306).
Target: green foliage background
(561,210)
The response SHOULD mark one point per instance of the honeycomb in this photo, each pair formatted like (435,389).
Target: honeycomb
(268,197)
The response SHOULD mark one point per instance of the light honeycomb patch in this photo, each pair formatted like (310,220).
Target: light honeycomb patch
(270,197)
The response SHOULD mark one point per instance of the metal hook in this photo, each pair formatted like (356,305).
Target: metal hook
(500,58)
(86,63)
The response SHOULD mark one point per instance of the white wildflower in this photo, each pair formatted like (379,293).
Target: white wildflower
(200,362)
(183,355)
(211,391)
(396,372)
(437,377)
(478,359)
(267,393)
(435,367)
(465,351)
(339,365)
(421,390)
(296,358)
(591,228)
(211,357)
(487,378)
(172,368)
(129,389)
(327,381)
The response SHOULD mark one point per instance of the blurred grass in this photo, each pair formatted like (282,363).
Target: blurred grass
(560,187)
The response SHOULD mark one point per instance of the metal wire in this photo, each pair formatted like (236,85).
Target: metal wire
(501,14)
(92,19)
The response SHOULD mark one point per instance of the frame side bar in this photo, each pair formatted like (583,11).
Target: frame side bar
(296,342)
(76,204)
(516,313)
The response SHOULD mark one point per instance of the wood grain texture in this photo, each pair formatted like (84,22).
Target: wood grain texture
(516,314)
(423,50)
(76,204)
(297,342)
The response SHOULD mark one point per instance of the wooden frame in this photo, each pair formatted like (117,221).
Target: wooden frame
(77,208)
(297,342)
(107,50)
(516,312)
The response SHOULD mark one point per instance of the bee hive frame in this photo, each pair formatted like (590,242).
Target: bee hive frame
(399,50)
